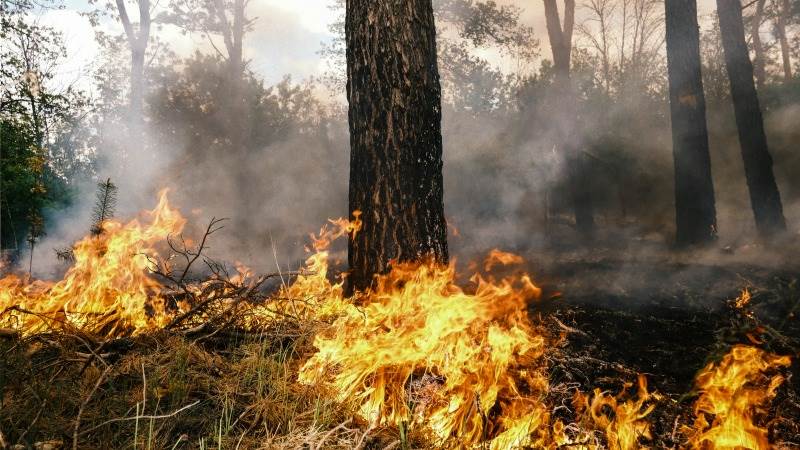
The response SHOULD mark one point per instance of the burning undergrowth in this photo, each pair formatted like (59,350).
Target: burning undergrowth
(134,348)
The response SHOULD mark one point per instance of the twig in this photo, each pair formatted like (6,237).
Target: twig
(137,417)
(331,432)
(363,438)
(83,405)
(568,328)
(209,231)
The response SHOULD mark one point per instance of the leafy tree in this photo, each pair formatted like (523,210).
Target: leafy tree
(41,147)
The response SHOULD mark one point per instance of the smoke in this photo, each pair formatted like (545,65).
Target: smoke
(504,185)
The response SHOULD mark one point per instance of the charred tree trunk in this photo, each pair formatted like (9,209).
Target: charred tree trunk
(764,196)
(560,38)
(695,210)
(394,100)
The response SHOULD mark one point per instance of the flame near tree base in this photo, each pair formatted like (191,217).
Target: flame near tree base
(465,365)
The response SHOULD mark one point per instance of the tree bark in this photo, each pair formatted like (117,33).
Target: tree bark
(394,100)
(560,38)
(694,191)
(764,196)
(758,47)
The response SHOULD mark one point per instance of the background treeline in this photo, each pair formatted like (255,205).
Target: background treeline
(275,157)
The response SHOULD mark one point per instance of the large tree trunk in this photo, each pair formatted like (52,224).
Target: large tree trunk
(395,136)
(758,47)
(694,191)
(780,26)
(764,196)
(566,126)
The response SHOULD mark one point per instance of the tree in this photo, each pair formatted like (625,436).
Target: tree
(394,100)
(695,210)
(781,16)
(764,196)
(560,36)
(627,37)
(469,81)
(759,63)
(225,20)
(137,43)
(566,126)
(38,119)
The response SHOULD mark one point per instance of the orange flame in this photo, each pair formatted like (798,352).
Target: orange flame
(622,420)
(496,257)
(424,351)
(733,393)
(420,351)
(743,299)
(106,289)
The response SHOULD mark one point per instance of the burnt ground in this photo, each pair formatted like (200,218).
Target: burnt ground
(667,319)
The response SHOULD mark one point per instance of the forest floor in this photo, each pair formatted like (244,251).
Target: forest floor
(669,317)
(665,318)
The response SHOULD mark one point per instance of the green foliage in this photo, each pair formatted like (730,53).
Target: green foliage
(189,108)
(104,206)
(38,122)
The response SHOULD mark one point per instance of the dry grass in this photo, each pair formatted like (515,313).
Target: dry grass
(164,391)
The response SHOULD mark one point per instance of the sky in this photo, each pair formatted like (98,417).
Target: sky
(286,39)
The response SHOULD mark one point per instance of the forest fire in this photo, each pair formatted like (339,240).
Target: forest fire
(624,421)
(631,164)
(108,289)
(733,393)
(409,357)
(400,354)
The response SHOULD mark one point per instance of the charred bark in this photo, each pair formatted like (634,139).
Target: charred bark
(695,209)
(764,196)
(394,100)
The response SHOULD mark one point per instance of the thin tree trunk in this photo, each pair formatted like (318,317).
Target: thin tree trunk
(237,113)
(394,100)
(566,124)
(758,47)
(30,262)
(137,86)
(780,25)
(694,191)
(764,196)
(138,46)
